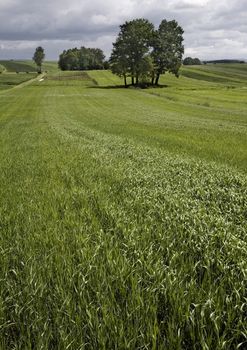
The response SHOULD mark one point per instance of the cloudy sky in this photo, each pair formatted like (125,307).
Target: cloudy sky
(214,29)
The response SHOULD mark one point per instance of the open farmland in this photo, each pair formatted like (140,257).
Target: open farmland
(123,212)
(26,66)
(9,80)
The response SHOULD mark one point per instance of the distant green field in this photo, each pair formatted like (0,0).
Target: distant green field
(18,66)
(67,78)
(123,212)
(235,74)
(9,80)
(27,66)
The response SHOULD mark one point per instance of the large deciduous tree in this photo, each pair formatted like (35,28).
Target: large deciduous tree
(168,48)
(38,57)
(119,60)
(141,52)
(131,48)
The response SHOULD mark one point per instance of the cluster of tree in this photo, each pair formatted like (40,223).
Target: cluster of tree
(143,53)
(81,59)
(225,61)
(189,61)
(38,58)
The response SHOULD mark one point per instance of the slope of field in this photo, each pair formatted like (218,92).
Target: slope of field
(9,80)
(123,215)
(18,66)
(27,66)
(189,116)
(50,66)
(68,78)
(234,74)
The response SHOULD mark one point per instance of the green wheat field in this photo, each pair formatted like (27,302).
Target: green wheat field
(123,212)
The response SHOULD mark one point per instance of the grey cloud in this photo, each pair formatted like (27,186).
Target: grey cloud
(211,27)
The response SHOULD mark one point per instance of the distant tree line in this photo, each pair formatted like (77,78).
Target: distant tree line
(189,61)
(82,59)
(143,53)
(225,61)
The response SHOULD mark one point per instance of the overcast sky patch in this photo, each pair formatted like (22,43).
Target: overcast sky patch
(212,29)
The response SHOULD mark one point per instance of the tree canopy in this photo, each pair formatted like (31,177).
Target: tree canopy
(167,48)
(143,53)
(81,59)
(191,61)
(38,57)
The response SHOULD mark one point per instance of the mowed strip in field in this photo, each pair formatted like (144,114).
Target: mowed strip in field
(123,214)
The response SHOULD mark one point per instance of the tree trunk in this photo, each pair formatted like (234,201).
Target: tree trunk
(125,81)
(157,79)
(137,79)
(132,80)
(152,77)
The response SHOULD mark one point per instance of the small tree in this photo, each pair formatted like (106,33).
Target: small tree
(38,58)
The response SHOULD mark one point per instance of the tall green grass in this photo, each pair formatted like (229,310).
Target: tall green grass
(123,216)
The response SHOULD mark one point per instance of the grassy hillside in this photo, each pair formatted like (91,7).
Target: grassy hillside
(234,74)
(18,66)
(27,66)
(188,116)
(9,80)
(123,214)
(68,78)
